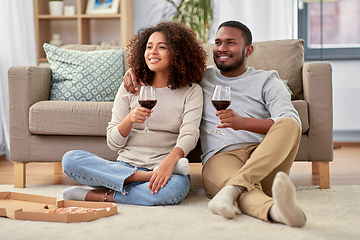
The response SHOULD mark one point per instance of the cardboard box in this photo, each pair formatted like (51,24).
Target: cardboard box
(34,207)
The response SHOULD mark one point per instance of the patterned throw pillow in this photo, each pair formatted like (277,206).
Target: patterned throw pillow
(84,75)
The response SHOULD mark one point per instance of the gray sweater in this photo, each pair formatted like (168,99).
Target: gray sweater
(254,94)
(175,121)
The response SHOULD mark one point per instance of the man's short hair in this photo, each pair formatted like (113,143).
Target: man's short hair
(244,29)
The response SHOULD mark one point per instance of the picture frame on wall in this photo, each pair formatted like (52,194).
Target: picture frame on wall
(102,6)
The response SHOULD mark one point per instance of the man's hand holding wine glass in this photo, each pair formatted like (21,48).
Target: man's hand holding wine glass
(230,119)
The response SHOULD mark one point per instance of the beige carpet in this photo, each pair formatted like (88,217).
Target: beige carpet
(332,214)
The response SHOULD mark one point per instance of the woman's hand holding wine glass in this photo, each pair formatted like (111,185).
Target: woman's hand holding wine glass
(147,99)
(221,99)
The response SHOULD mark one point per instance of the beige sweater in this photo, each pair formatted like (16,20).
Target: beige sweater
(175,121)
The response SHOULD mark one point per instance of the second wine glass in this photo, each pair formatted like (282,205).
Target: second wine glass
(221,99)
(147,99)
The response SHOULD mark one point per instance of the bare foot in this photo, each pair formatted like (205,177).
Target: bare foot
(98,195)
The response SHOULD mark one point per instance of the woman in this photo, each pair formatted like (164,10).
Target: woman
(169,58)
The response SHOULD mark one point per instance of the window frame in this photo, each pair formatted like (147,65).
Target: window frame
(328,53)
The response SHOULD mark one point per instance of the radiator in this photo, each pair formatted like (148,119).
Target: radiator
(346,109)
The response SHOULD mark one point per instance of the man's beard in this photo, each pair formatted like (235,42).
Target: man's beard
(228,68)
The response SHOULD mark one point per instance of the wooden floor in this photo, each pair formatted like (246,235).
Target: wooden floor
(344,170)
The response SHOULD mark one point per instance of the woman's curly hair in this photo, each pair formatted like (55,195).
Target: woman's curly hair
(187,56)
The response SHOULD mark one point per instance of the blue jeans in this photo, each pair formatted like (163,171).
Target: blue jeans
(91,170)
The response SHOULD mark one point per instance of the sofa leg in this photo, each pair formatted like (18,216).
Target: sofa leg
(324,175)
(315,167)
(19,175)
(58,168)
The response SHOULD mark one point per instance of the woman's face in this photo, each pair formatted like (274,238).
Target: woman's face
(156,55)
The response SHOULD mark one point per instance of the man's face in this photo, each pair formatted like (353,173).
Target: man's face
(229,50)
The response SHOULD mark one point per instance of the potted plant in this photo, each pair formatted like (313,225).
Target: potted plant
(56,7)
(197,14)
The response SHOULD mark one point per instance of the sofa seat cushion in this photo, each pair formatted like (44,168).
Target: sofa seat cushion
(302,107)
(70,118)
(92,118)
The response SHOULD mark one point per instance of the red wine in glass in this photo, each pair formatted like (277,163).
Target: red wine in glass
(221,99)
(147,99)
(220,104)
(149,104)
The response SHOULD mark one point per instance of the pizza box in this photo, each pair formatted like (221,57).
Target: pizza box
(22,206)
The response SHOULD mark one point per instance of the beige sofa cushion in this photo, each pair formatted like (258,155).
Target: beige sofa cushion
(302,107)
(91,118)
(70,118)
(284,56)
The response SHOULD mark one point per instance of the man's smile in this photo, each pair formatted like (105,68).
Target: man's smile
(223,57)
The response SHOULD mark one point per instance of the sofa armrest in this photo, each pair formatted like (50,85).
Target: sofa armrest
(27,85)
(317,82)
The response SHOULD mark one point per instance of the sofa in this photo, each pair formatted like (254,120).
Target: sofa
(42,130)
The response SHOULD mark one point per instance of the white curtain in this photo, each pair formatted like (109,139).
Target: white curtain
(17,47)
(267,19)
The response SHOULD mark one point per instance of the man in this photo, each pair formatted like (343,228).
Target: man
(262,135)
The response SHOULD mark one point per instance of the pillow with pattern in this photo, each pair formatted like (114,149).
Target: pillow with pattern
(84,75)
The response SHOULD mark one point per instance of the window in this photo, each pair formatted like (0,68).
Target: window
(340,27)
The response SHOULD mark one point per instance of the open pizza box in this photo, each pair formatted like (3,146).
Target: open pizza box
(38,208)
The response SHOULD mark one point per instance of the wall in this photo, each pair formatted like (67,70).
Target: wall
(346,99)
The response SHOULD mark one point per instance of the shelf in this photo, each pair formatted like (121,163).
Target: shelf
(82,28)
(46,16)
(99,16)
(87,16)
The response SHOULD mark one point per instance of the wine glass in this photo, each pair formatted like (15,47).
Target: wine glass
(221,99)
(147,99)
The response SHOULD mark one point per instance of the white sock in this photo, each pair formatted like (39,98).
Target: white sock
(181,167)
(75,193)
(285,209)
(223,202)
